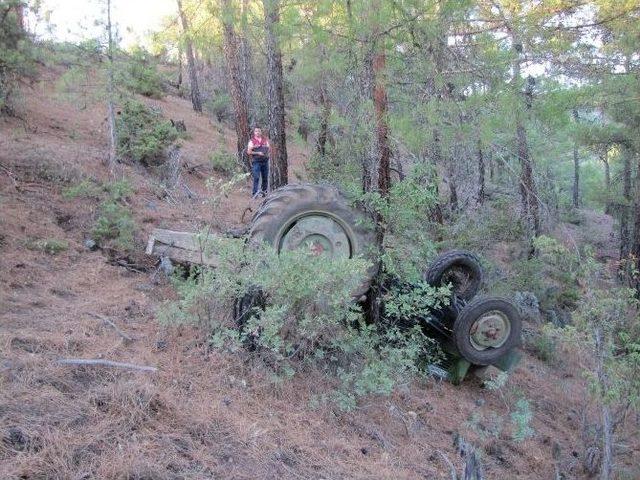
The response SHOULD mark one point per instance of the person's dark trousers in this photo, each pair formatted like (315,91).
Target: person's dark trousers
(260,169)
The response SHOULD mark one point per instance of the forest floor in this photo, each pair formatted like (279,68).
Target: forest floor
(206,414)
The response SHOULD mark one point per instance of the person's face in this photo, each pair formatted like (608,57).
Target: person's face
(257,133)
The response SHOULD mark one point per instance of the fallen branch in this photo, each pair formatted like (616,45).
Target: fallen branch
(105,363)
(105,320)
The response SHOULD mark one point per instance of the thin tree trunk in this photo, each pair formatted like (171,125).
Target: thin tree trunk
(238,94)
(576,168)
(607,425)
(179,83)
(111,117)
(625,230)
(528,190)
(279,162)
(196,100)
(481,174)
(325,113)
(245,58)
(380,102)
(607,180)
(635,250)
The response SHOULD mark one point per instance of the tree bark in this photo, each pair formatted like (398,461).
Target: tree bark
(625,230)
(607,180)
(277,135)
(380,102)
(635,249)
(245,59)
(111,118)
(528,190)
(236,88)
(196,100)
(576,168)
(481,174)
(325,113)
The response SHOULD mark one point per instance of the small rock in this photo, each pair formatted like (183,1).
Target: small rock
(161,345)
(16,439)
(166,266)
(90,244)
(480,402)
(364,451)
(152,206)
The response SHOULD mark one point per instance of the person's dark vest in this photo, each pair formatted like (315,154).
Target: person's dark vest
(258,158)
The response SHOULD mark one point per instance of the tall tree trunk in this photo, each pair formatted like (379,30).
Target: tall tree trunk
(196,100)
(245,59)
(234,77)
(576,168)
(179,82)
(279,175)
(607,423)
(111,117)
(528,190)
(635,249)
(380,102)
(481,174)
(325,113)
(625,230)
(607,179)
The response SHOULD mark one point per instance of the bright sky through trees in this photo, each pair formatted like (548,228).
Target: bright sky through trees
(74,20)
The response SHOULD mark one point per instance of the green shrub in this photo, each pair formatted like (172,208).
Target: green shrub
(50,246)
(143,134)
(545,345)
(309,320)
(16,54)
(116,224)
(84,189)
(521,420)
(219,106)
(140,75)
(223,162)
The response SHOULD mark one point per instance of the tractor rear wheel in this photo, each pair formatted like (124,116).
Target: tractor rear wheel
(459,268)
(318,219)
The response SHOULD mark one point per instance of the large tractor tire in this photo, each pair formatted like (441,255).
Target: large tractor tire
(486,329)
(319,219)
(459,268)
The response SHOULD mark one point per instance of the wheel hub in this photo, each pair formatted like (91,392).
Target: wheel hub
(491,330)
(318,234)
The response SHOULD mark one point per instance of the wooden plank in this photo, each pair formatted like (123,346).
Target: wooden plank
(183,247)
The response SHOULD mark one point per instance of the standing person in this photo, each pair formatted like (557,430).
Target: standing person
(258,150)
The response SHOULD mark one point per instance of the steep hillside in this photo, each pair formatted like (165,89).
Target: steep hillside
(203,414)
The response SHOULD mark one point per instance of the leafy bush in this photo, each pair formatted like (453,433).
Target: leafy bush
(223,162)
(219,106)
(521,420)
(140,75)
(308,319)
(16,53)
(50,246)
(115,223)
(84,189)
(143,134)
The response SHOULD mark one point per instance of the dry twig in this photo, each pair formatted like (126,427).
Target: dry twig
(105,320)
(105,363)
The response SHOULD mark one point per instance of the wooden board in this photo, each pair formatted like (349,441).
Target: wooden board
(182,247)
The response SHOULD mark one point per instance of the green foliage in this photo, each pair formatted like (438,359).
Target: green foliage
(143,134)
(521,420)
(16,53)
(140,74)
(115,224)
(84,189)
(50,246)
(545,344)
(223,162)
(219,106)
(309,319)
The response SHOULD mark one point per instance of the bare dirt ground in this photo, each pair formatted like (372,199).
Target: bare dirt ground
(203,414)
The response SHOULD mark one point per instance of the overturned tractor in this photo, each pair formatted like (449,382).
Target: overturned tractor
(477,330)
